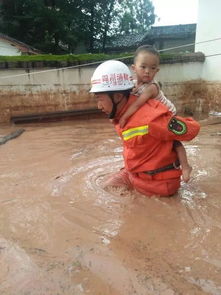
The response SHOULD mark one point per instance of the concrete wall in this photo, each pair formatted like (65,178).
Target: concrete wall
(53,90)
(48,90)
(170,43)
(208,28)
(7,49)
(180,72)
(183,84)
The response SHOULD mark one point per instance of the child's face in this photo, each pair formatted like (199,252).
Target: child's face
(146,67)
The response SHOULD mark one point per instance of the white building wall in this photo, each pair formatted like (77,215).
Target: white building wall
(208,28)
(8,50)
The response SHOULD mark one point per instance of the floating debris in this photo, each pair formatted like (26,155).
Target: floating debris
(12,135)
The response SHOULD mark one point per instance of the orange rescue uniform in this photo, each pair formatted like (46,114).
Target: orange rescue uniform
(148,139)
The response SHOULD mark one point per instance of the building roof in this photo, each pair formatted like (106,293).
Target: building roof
(160,32)
(127,40)
(24,48)
(167,31)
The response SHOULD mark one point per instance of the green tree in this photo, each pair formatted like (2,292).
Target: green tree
(136,16)
(57,26)
(124,17)
(99,16)
(50,25)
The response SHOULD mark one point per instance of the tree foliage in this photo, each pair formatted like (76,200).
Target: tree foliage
(58,26)
(136,17)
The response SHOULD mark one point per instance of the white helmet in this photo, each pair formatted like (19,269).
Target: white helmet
(111,75)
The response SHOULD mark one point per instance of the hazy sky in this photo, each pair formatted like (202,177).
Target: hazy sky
(174,12)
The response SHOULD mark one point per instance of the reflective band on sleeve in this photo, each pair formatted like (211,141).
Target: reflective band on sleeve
(132,132)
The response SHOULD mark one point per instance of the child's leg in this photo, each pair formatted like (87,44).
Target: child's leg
(181,153)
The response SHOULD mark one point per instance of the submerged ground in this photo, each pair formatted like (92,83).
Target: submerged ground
(62,234)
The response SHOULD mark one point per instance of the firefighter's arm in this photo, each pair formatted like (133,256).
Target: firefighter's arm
(174,128)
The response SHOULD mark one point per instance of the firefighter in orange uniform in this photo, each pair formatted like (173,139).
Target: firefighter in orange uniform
(151,163)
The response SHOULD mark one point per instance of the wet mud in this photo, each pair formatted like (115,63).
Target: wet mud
(61,233)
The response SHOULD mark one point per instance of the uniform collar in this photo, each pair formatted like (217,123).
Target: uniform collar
(120,112)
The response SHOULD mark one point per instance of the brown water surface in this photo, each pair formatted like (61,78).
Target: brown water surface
(61,233)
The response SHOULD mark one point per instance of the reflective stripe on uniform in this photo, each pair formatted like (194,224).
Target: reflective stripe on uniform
(132,132)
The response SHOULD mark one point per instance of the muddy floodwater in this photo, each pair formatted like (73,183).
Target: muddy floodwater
(61,233)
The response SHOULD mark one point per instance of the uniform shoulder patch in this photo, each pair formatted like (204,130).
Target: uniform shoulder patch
(177,126)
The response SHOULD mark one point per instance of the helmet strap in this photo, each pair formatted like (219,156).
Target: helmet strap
(114,108)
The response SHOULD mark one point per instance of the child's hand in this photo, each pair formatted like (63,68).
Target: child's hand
(122,122)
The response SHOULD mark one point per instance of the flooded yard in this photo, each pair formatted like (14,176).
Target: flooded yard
(61,233)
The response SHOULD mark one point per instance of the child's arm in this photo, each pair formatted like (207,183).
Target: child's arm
(148,92)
